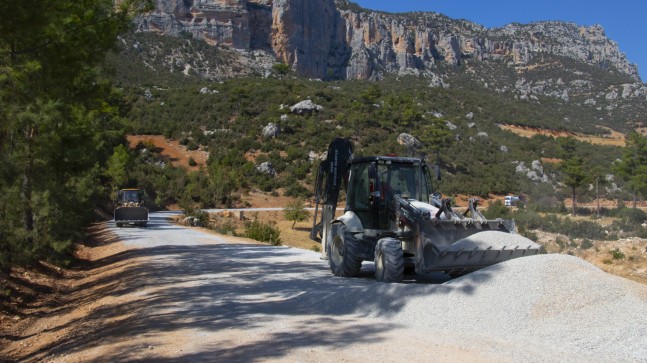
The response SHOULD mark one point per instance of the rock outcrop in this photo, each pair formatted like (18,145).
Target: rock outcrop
(306,106)
(330,39)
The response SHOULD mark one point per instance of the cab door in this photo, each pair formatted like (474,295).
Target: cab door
(361,197)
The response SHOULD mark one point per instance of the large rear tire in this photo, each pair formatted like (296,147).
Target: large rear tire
(342,253)
(389,260)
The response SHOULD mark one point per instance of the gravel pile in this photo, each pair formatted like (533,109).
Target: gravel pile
(494,239)
(543,307)
(553,303)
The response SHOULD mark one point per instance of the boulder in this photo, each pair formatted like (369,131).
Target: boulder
(306,106)
(266,168)
(409,141)
(272,130)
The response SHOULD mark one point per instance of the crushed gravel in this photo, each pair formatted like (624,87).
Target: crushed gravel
(494,239)
(557,302)
(542,307)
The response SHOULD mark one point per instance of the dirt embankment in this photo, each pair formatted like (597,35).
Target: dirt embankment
(613,139)
(175,153)
(47,304)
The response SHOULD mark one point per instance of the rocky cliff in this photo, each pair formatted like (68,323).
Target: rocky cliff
(336,39)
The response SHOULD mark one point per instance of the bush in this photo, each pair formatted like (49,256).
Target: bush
(192,145)
(203,218)
(575,229)
(297,190)
(496,209)
(225,227)
(586,244)
(617,254)
(264,232)
(632,216)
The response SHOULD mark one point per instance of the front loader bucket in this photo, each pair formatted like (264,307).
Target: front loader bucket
(131,214)
(458,248)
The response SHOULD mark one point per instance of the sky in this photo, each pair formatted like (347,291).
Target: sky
(624,21)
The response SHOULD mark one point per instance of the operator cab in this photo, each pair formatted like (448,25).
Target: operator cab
(374,181)
(130,196)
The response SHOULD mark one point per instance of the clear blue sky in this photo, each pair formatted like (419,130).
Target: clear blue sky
(624,21)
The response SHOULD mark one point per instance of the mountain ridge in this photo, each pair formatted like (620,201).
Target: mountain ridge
(339,40)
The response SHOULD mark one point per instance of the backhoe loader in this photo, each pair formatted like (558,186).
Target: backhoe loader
(129,208)
(394,217)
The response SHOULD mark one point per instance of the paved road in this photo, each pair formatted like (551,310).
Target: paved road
(193,296)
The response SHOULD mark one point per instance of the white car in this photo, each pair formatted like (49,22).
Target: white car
(511,200)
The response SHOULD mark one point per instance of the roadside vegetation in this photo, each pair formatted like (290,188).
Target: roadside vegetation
(59,122)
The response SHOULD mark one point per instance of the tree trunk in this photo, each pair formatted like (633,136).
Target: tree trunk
(597,196)
(27,186)
(574,203)
(635,200)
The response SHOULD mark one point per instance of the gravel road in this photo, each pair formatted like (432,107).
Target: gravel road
(196,296)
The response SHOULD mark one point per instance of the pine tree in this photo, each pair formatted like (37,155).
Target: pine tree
(54,120)
(573,168)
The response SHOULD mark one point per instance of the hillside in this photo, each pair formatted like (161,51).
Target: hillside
(220,75)
(574,70)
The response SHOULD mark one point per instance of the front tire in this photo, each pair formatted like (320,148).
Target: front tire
(389,260)
(342,253)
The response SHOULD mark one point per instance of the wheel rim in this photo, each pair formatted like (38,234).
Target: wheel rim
(337,250)
(379,265)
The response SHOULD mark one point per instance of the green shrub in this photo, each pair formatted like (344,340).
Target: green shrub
(586,244)
(264,232)
(226,226)
(496,209)
(297,190)
(617,254)
(192,145)
(560,242)
(632,216)
(203,217)
(551,223)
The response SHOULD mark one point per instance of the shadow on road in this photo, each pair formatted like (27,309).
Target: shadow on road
(214,287)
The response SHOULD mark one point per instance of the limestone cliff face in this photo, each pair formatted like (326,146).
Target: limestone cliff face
(216,21)
(328,39)
(304,33)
